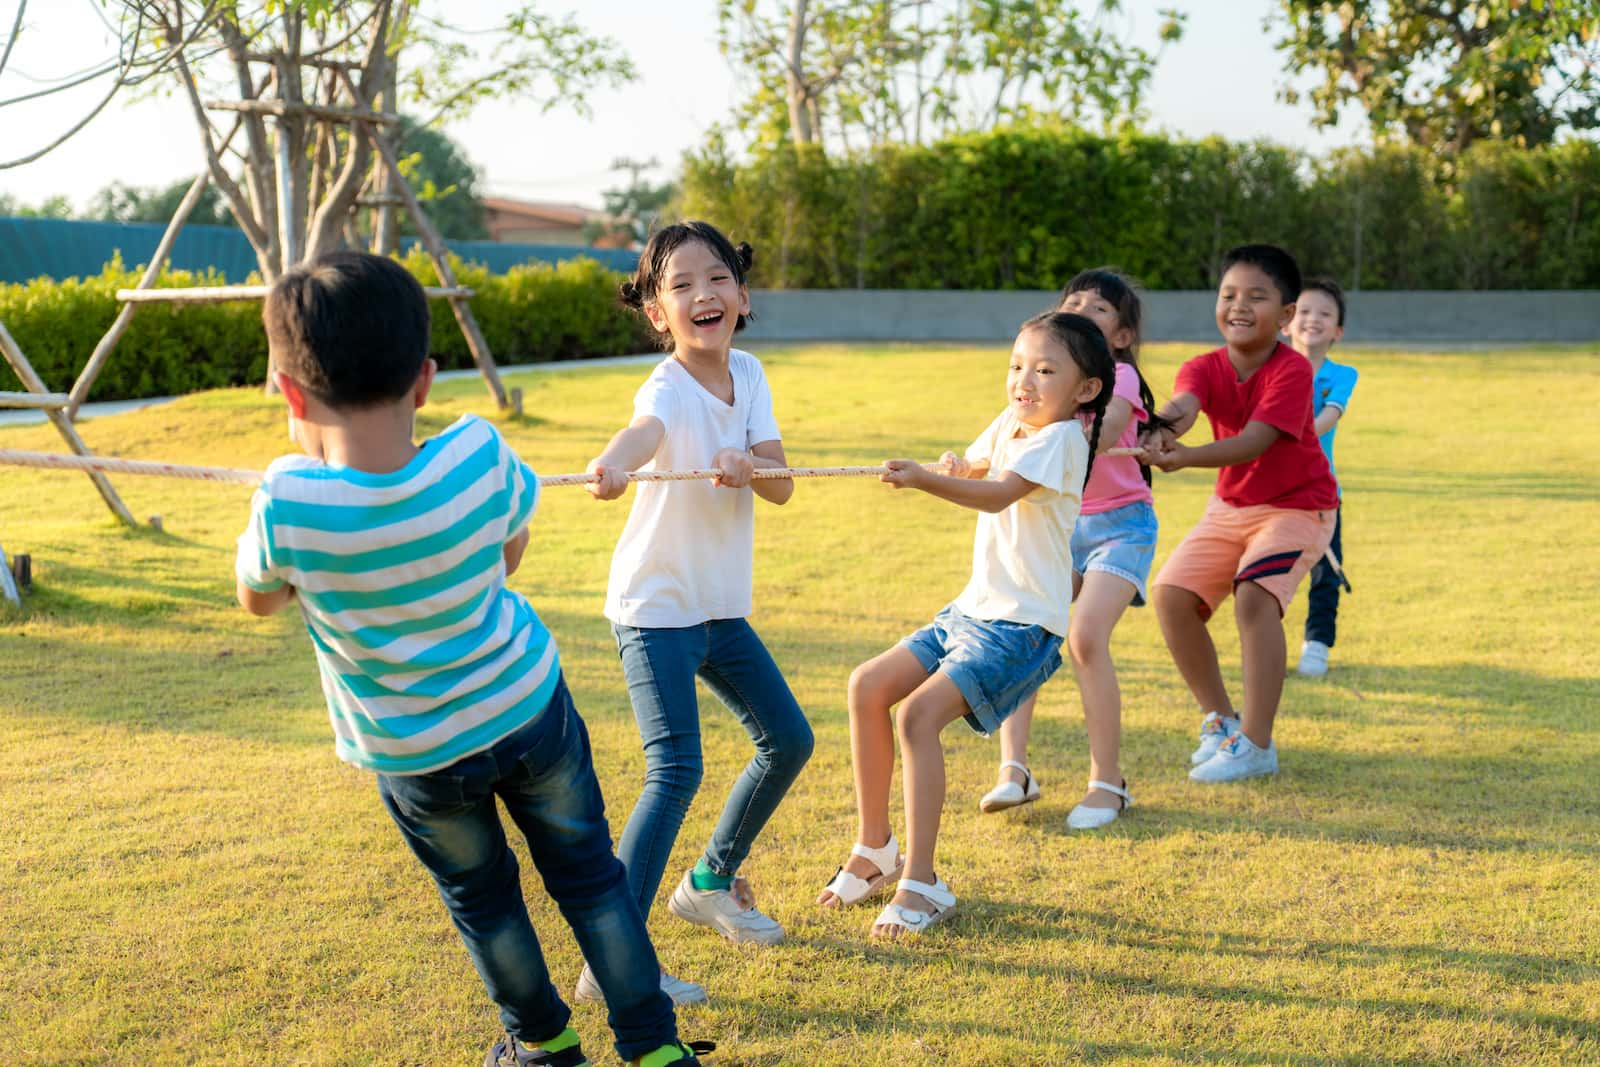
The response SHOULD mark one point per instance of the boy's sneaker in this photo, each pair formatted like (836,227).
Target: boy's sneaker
(717,909)
(1236,758)
(1214,729)
(1313,660)
(676,1054)
(682,993)
(510,1052)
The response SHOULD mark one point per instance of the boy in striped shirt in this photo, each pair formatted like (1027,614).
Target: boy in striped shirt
(439,678)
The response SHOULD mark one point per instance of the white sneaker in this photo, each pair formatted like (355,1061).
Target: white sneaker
(1313,660)
(717,909)
(1236,758)
(1215,728)
(681,992)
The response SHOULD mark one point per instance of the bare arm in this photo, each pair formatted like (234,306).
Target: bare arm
(1246,445)
(514,549)
(1331,414)
(980,494)
(1114,421)
(766,455)
(258,603)
(629,449)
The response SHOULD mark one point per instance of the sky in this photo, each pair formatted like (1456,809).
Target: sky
(1220,79)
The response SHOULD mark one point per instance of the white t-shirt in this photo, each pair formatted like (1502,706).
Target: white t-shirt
(1022,556)
(685,555)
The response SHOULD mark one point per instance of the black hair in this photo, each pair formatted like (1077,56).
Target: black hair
(1087,345)
(1118,290)
(1272,261)
(352,329)
(641,288)
(1329,286)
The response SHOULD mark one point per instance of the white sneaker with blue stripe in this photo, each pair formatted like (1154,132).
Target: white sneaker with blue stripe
(1215,728)
(1237,757)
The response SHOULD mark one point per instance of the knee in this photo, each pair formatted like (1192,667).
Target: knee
(1253,604)
(1173,604)
(1087,646)
(676,773)
(917,722)
(790,749)
(865,691)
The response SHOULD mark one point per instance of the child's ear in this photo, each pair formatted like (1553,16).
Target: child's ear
(293,395)
(424,382)
(657,317)
(1122,339)
(1088,390)
(744,299)
(1285,317)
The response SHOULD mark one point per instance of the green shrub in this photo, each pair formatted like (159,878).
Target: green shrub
(1025,207)
(533,313)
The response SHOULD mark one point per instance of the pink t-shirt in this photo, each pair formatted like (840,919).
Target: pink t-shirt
(1116,480)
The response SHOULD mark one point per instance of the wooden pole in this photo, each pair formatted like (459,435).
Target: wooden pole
(152,271)
(30,378)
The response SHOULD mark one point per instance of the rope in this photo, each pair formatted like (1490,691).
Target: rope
(107,465)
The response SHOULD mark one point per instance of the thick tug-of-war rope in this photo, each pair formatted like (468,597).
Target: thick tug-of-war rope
(107,465)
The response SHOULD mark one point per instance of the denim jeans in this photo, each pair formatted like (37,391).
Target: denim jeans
(544,775)
(660,665)
(1322,608)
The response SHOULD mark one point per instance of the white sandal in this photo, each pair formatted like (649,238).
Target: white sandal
(1010,794)
(911,920)
(850,888)
(1084,817)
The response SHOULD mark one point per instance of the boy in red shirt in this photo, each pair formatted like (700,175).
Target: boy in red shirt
(1269,521)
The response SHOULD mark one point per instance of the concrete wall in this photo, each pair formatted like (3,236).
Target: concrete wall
(1419,317)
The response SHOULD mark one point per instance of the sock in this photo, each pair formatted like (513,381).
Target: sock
(665,1054)
(564,1040)
(704,878)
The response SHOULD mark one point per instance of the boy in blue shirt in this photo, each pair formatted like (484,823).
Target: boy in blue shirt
(438,678)
(1317,324)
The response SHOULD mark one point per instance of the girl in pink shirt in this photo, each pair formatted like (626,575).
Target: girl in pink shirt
(1113,546)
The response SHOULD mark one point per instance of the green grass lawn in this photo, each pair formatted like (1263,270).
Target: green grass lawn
(189,875)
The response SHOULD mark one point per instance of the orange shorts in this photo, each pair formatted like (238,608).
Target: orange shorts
(1272,547)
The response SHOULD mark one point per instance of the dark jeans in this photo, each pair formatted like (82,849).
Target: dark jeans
(544,775)
(660,665)
(1322,614)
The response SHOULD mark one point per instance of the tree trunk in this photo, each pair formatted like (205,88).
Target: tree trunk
(386,227)
(800,103)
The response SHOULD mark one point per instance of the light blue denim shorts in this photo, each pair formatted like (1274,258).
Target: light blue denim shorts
(994,663)
(1121,541)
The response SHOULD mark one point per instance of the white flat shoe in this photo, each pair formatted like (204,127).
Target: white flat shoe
(1010,794)
(912,921)
(1084,817)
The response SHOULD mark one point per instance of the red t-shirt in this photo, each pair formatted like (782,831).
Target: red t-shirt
(1293,471)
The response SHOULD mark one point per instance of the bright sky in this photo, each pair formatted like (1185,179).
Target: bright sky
(1222,78)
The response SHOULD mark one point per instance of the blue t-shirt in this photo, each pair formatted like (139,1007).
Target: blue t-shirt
(1333,385)
(426,657)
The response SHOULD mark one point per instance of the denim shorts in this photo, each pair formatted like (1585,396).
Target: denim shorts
(994,663)
(1121,541)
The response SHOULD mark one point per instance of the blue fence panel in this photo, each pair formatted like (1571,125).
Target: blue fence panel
(61,248)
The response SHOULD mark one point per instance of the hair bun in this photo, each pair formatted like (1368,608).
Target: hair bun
(629,292)
(746,254)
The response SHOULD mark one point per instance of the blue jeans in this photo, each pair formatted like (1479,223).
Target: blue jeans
(544,775)
(1322,602)
(660,665)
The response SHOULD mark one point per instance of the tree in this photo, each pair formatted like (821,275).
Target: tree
(55,207)
(633,210)
(909,71)
(297,73)
(445,181)
(127,203)
(1445,73)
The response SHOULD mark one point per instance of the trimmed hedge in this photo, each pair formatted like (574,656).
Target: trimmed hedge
(1025,207)
(533,313)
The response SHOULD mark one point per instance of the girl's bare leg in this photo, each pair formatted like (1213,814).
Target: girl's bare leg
(1103,599)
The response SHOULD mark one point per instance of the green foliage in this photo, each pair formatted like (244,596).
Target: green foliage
(445,181)
(1024,207)
(1448,75)
(533,313)
(906,71)
(129,203)
(55,207)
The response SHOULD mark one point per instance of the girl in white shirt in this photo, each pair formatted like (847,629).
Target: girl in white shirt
(1001,638)
(680,581)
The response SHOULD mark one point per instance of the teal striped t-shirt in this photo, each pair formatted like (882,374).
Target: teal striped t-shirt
(426,656)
